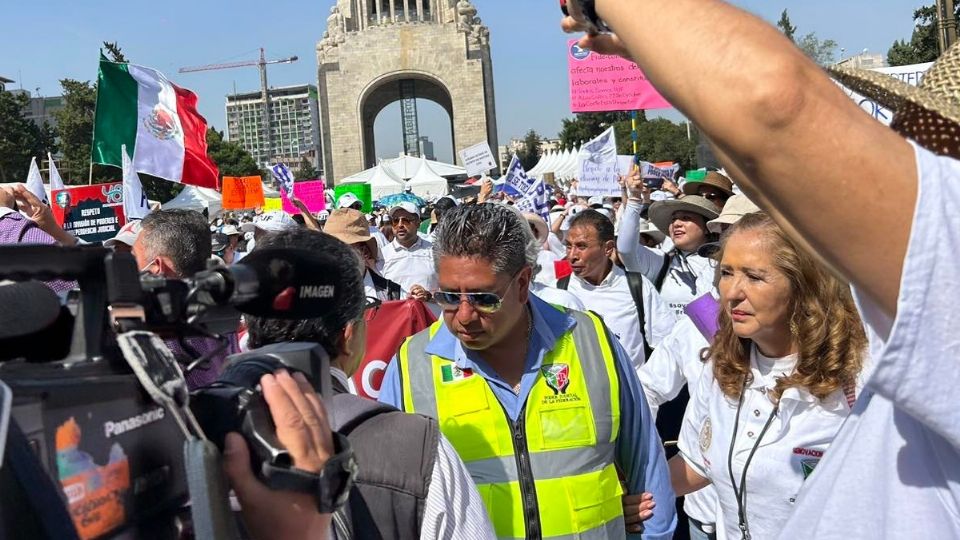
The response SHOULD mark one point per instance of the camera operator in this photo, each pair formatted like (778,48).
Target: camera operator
(177,244)
(411,483)
(303,428)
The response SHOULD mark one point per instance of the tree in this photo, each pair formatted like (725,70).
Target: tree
(823,52)
(307,170)
(586,126)
(923,45)
(658,139)
(785,26)
(20,139)
(75,129)
(230,157)
(530,154)
(114,51)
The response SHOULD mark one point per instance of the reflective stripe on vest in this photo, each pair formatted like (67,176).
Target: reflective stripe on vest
(569,424)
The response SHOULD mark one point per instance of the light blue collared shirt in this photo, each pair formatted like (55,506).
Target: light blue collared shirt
(639,452)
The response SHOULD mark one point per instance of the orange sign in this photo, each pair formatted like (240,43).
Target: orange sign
(242,192)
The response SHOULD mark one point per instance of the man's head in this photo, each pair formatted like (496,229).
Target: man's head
(341,331)
(484,255)
(349,200)
(590,246)
(173,243)
(443,205)
(405,218)
(269,222)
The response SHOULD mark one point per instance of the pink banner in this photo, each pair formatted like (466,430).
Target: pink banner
(602,82)
(311,193)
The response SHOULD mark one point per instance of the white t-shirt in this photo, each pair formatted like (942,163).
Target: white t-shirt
(894,469)
(611,299)
(548,272)
(557,297)
(676,363)
(410,266)
(788,452)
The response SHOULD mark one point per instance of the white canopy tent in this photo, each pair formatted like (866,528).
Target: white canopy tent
(563,165)
(197,198)
(382,181)
(406,167)
(426,183)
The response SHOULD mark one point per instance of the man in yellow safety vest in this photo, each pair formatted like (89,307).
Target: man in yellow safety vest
(541,403)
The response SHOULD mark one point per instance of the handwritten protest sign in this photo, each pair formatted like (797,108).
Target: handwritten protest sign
(604,82)
(91,213)
(311,193)
(599,166)
(478,159)
(242,192)
(272,204)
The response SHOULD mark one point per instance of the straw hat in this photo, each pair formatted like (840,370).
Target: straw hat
(661,212)
(713,178)
(928,113)
(350,227)
(538,224)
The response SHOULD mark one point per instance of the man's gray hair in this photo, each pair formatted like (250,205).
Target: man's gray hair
(181,235)
(489,231)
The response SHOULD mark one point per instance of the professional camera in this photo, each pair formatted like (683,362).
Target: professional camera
(102,403)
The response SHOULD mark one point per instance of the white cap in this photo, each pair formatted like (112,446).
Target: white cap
(230,230)
(595,202)
(405,205)
(126,235)
(347,200)
(270,222)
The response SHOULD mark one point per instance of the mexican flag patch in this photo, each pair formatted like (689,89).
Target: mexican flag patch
(452,373)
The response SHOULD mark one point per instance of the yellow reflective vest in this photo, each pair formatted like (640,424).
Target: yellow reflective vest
(551,474)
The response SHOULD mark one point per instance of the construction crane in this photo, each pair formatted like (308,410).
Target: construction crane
(262,64)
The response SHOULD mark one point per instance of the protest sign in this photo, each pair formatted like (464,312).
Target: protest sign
(532,191)
(598,166)
(604,82)
(478,159)
(624,165)
(665,169)
(911,74)
(362,192)
(91,213)
(387,327)
(272,204)
(242,193)
(310,193)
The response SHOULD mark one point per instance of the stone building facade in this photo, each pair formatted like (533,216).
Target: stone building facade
(373,50)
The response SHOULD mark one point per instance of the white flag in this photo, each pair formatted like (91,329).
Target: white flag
(55,181)
(35,182)
(598,166)
(135,205)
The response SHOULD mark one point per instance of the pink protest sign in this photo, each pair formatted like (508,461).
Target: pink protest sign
(311,193)
(603,82)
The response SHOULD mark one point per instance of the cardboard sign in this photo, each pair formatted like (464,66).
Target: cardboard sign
(91,213)
(310,193)
(387,327)
(362,191)
(604,82)
(478,159)
(272,204)
(242,193)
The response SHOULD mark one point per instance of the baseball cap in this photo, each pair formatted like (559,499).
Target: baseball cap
(126,235)
(407,206)
(347,200)
(270,222)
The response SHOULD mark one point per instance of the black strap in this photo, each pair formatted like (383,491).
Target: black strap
(635,281)
(381,284)
(563,283)
(662,275)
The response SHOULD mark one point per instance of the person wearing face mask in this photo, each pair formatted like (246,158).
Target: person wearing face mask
(781,378)
(350,227)
(681,274)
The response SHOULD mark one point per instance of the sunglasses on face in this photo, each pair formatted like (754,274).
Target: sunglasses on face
(484,302)
(401,219)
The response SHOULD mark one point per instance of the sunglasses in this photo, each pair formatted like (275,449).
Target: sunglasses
(484,302)
(401,219)
(713,196)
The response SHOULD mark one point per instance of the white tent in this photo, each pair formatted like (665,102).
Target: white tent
(426,183)
(197,198)
(406,167)
(382,181)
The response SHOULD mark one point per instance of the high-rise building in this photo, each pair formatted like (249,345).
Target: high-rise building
(4,82)
(294,120)
(426,148)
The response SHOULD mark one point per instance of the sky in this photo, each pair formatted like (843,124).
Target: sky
(46,41)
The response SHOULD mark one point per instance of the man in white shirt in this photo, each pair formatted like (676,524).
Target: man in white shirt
(408,260)
(604,287)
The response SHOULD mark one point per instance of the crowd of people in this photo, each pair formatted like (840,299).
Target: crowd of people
(800,295)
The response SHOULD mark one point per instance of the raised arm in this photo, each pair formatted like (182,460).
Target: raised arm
(804,148)
(635,257)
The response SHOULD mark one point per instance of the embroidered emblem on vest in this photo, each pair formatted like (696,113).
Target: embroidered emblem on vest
(557,377)
(451,373)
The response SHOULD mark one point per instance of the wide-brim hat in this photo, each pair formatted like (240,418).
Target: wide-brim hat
(736,207)
(350,227)
(928,113)
(713,178)
(661,212)
(538,224)
(652,231)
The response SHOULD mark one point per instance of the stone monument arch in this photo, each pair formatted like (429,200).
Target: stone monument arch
(377,52)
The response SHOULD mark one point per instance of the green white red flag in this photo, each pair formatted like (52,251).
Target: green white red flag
(156,120)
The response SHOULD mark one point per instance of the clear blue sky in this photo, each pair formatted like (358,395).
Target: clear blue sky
(44,42)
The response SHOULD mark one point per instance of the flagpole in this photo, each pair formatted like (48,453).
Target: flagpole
(90,178)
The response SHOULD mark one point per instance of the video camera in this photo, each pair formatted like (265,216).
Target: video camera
(103,403)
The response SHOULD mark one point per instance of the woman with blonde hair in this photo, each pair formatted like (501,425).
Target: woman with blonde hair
(780,380)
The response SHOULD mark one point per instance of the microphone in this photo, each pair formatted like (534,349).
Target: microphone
(277,283)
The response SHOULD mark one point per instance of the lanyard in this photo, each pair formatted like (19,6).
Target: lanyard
(741,493)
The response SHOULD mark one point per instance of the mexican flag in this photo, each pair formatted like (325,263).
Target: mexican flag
(156,120)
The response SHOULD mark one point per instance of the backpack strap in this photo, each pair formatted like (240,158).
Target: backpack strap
(563,283)
(664,269)
(635,281)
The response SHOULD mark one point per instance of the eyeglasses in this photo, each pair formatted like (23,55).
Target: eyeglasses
(401,219)
(484,302)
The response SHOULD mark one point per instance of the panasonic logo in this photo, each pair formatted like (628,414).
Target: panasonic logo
(316,291)
(113,429)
